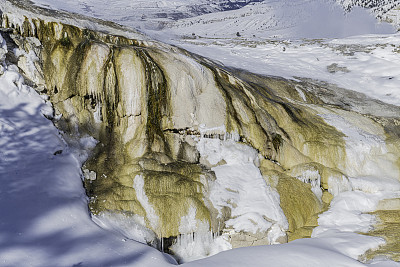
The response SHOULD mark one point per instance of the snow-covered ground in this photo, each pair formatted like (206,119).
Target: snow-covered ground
(369,64)
(144,15)
(45,221)
(301,38)
(284,18)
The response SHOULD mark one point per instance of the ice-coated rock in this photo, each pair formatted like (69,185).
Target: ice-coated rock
(187,146)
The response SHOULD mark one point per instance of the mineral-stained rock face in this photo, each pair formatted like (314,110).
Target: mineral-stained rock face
(169,123)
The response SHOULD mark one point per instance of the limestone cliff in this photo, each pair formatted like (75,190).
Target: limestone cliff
(152,106)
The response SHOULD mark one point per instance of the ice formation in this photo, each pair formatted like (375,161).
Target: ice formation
(195,158)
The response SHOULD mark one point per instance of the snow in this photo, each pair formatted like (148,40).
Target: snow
(348,215)
(281,38)
(299,18)
(372,61)
(348,211)
(16,15)
(131,227)
(383,262)
(197,244)
(299,253)
(312,177)
(240,186)
(47,221)
(138,185)
(284,19)
(365,148)
(374,178)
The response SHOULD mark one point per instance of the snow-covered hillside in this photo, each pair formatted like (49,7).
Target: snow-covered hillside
(150,14)
(289,19)
(282,19)
(368,64)
(379,7)
(332,119)
(46,223)
(384,10)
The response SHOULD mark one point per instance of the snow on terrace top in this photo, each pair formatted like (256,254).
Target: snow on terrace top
(18,10)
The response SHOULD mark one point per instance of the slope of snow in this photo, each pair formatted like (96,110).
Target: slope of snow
(150,14)
(46,221)
(271,34)
(315,252)
(369,64)
(285,18)
(378,7)
(254,205)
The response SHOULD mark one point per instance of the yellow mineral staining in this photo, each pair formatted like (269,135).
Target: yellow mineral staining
(93,71)
(329,178)
(171,189)
(266,164)
(391,128)
(388,227)
(326,197)
(136,101)
(281,130)
(190,83)
(297,201)
(146,103)
(242,117)
(249,239)
(290,155)
(172,195)
(131,81)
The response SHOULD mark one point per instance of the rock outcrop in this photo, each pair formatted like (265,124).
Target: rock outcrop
(151,105)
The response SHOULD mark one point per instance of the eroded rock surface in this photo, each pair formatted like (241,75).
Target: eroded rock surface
(155,110)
